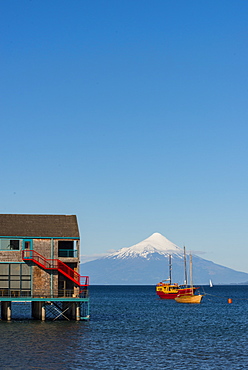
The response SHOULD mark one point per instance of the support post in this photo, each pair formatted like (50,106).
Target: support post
(78,316)
(39,310)
(6,310)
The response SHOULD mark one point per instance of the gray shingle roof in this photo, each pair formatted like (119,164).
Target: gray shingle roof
(46,226)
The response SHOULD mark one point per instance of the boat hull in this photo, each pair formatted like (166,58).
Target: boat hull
(171,291)
(189,298)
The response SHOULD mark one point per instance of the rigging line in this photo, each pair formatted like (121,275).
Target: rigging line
(218,296)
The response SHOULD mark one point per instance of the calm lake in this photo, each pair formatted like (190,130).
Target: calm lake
(131,328)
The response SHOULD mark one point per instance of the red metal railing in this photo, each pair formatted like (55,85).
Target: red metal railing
(55,264)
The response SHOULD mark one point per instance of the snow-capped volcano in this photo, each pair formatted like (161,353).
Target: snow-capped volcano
(146,263)
(156,243)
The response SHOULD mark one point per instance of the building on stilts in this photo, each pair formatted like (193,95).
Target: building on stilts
(40,263)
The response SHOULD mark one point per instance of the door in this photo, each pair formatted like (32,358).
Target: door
(27,247)
(27,244)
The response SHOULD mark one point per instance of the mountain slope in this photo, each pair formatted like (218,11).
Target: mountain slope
(146,263)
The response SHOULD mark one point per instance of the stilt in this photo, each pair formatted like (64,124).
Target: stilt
(39,310)
(78,316)
(75,309)
(6,310)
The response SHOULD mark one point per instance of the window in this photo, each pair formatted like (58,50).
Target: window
(9,244)
(15,278)
(4,269)
(67,248)
(14,244)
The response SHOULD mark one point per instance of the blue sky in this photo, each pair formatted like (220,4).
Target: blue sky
(131,115)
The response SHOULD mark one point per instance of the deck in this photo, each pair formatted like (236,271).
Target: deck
(47,306)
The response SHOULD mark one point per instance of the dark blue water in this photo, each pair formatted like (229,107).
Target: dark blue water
(130,328)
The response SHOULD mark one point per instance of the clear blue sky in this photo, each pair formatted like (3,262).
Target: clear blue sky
(132,115)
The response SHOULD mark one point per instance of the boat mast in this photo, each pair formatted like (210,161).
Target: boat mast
(185,268)
(170,268)
(191,270)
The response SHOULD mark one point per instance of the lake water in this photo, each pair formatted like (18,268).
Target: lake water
(130,328)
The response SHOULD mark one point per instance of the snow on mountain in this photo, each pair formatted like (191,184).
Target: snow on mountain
(156,243)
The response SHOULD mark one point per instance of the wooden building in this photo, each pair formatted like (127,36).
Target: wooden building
(39,262)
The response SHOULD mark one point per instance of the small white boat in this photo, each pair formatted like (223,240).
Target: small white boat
(210,283)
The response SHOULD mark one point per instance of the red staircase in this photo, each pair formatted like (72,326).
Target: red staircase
(55,264)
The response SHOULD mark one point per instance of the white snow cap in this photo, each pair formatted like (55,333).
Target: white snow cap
(156,243)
